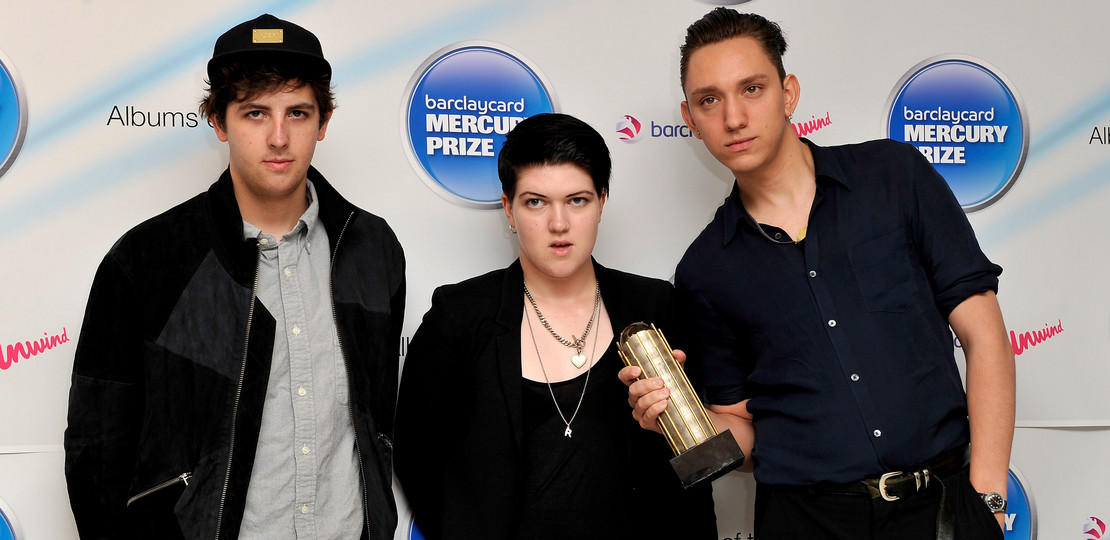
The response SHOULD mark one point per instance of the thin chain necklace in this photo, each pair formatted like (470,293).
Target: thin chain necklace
(578,359)
(801,233)
(547,380)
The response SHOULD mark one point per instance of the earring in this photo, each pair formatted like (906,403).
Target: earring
(512,229)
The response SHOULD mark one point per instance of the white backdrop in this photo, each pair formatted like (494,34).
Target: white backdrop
(81,180)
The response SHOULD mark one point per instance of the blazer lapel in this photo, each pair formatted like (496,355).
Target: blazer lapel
(509,316)
(615,294)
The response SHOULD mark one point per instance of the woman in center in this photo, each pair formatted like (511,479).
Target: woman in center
(511,421)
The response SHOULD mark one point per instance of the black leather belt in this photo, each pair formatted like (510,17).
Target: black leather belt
(895,485)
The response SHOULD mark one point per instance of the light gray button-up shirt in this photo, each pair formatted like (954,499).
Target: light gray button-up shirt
(305,480)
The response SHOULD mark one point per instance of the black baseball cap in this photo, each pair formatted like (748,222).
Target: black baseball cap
(269,39)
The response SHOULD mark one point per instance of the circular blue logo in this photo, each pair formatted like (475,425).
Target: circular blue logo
(1021,515)
(967,120)
(9,526)
(414,531)
(13,114)
(460,104)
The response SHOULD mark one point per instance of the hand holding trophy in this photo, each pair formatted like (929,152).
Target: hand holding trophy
(701,453)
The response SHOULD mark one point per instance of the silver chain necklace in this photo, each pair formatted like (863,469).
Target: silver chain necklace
(801,233)
(547,380)
(578,359)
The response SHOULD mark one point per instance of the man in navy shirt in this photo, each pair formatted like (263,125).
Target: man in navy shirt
(819,301)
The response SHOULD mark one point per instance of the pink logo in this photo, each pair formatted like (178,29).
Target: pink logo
(12,354)
(1021,342)
(1095,529)
(814,124)
(628,128)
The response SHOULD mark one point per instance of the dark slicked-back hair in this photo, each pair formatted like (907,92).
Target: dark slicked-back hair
(723,23)
(234,82)
(553,139)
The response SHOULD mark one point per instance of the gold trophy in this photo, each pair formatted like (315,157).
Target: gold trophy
(700,452)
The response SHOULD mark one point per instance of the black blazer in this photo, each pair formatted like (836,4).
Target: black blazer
(459,429)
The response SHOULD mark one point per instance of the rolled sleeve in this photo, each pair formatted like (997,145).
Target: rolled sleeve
(712,345)
(955,263)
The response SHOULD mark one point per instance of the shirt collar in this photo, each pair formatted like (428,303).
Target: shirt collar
(826,166)
(826,169)
(305,226)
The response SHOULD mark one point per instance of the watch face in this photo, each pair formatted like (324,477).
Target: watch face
(995,502)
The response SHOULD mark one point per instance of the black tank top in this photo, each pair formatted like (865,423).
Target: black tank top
(574,486)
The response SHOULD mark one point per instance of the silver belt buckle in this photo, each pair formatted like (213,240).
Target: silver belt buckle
(882,486)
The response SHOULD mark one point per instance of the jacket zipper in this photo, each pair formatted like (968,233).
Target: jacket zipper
(347,372)
(238,393)
(183,478)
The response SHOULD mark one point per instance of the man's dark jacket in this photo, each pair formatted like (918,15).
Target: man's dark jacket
(171,369)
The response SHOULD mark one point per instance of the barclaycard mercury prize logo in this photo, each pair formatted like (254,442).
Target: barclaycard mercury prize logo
(414,531)
(459,106)
(13,113)
(1021,514)
(966,119)
(9,526)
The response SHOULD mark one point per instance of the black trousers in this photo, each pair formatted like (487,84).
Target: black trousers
(790,513)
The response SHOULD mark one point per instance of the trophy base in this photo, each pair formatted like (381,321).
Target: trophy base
(709,460)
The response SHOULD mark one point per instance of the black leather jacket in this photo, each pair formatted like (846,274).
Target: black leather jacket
(171,369)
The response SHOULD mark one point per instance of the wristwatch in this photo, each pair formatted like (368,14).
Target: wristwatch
(995,501)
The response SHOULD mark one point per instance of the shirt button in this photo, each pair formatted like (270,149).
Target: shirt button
(288,272)
(854,378)
(812,273)
(304,449)
(264,241)
(308,245)
(301,391)
(296,330)
(304,509)
(778,236)
(832,323)
(877,433)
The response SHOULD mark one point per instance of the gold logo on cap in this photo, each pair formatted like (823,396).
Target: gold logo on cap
(268,35)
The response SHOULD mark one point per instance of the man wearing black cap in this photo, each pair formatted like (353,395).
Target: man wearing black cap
(236,371)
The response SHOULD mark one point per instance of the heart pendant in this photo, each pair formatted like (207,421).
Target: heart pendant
(578,360)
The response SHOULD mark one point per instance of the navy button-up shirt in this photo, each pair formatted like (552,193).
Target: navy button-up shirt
(841,341)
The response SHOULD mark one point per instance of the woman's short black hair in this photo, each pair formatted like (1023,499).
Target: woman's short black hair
(553,139)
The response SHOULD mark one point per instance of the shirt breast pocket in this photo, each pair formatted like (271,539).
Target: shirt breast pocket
(883,272)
